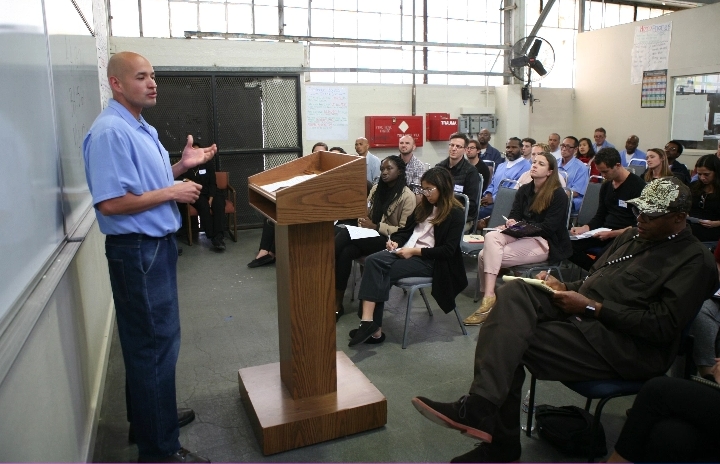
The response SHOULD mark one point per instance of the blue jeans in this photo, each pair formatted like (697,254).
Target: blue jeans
(144,285)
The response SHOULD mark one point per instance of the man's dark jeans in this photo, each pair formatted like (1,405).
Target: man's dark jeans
(144,285)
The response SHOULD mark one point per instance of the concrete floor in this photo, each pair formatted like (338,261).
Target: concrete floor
(229,321)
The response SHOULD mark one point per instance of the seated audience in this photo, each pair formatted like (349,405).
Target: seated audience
(706,331)
(210,205)
(554,143)
(543,203)
(673,420)
(613,210)
(362,148)
(631,151)
(338,150)
(706,199)
(266,254)
(600,141)
(414,168)
(526,178)
(576,172)
(586,154)
(428,246)
(657,165)
(487,151)
(472,153)
(512,169)
(673,150)
(465,178)
(527,144)
(389,204)
(624,321)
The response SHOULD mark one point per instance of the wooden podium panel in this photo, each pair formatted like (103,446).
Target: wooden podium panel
(281,423)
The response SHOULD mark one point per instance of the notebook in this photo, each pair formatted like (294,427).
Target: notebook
(522,229)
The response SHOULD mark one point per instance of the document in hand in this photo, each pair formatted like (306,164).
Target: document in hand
(589,233)
(534,282)
(361,232)
(521,229)
(473,238)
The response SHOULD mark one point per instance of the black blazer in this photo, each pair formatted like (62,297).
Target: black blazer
(552,221)
(449,277)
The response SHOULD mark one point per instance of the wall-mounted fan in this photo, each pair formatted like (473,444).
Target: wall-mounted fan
(531,60)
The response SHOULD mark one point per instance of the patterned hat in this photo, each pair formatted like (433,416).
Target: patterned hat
(662,196)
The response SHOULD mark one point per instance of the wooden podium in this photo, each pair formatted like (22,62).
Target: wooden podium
(314,393)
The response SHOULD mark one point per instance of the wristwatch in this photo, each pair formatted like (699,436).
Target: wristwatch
(590,311)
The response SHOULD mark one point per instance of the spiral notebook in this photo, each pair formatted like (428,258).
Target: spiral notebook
(704,381)
(522,229)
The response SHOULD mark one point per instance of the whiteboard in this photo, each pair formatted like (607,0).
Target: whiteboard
(688,121)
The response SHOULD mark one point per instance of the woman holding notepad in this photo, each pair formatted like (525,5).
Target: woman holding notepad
(538,224)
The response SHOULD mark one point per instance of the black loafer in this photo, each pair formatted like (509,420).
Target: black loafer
(365,331)
(267,259)
(185,416)
(371,340)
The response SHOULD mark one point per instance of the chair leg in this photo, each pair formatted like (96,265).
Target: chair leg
(427,305)
(407,315)
(352,285)
(596,427)
(460,321)
(531,406)
(588,403)
(477,288)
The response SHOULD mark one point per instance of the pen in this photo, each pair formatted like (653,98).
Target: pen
(547,274)
(506,219)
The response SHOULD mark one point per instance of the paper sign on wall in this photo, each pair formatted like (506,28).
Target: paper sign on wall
(651,49)
(326,113)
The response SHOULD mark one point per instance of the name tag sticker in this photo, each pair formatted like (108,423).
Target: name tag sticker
(202,171)
(458,188)
(622,204)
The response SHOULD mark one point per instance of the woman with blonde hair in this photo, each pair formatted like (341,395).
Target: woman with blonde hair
(657,165)
(542,203)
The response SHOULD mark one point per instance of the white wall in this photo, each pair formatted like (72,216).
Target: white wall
(50,397)
(604,95)
(554,112)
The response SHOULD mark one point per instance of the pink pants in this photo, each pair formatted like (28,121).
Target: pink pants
(502,250)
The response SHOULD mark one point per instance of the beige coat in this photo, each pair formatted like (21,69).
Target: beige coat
(396,215)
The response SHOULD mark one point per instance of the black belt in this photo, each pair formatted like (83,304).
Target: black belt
(136,237)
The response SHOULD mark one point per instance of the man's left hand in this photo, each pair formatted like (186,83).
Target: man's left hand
(192,157)
(571,302)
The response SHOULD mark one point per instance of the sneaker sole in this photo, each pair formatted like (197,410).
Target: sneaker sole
(445,421)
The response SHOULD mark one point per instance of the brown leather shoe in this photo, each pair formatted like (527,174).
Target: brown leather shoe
(479,316)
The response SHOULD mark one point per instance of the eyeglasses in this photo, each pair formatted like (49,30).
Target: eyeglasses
(427,191)
(563,145)
(639,213)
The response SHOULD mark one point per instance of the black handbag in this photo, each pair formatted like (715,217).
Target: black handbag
(569,429)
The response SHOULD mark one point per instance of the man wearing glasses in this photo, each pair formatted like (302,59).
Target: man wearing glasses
(576,172)
(464,174)
(472,152)
(673,150)
(624,321)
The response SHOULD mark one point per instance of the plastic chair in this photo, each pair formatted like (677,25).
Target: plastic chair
(222,179)
(411,284)
(636,169)
(638,162)
(590,203)
(605,390)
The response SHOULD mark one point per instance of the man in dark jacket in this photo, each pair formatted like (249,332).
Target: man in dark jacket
(623,322)
(464,174)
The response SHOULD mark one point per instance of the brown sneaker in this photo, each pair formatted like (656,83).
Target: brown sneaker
(479,316)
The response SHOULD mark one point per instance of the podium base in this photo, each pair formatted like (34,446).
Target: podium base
(282,423)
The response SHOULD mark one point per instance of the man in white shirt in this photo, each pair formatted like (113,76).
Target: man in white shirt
(554,143)
(362,147)
(600,140)
(631,151)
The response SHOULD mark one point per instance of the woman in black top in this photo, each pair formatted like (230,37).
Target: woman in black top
(706,199)
(542,203)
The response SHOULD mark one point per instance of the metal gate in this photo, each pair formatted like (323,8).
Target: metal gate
(253,118)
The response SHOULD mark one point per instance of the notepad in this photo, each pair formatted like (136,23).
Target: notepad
(537,283)
(589,233)
(473,238)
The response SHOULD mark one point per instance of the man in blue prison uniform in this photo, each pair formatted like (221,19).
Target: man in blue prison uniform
(131,181)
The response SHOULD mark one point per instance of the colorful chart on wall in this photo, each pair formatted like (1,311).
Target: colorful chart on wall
(654,89)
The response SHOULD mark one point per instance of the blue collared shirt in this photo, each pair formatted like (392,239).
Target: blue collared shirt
(373,167)
(123,155)
(605,144)
(503,172)
(639,154)
(578,176)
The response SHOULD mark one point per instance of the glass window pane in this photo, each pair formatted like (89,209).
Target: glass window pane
(407,28)
(124,19)
(437,9)
(532,13)
(458,10)
(566,14)
(296,21)
(368,25)
(551,20)
(212,17)
(626,14)
(346,77)
(266,3)
(296,3)
(390,27)
(183,17)
(344,25)
(346,57)
(239,18)
(321,23)
(612,14)
(266,20)
(156,20)
(438,79)
(369,78)
(322,77)
(437,30)
(643,13)
(347,5)
(456,32)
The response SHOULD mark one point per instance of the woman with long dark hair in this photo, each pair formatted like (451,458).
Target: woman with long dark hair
(428,246)
(542,203)
(586,154)
(706,199)
(390,203)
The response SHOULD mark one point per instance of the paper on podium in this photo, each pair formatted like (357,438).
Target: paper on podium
(287,183)
(589,233)
(361,232)
(537,283)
